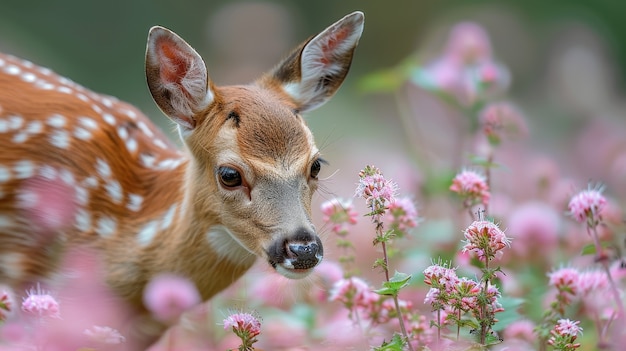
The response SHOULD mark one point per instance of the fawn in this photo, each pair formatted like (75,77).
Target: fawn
(240,189)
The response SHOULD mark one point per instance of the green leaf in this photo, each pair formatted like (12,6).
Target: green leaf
(394,285)
(590,249)
(395,344)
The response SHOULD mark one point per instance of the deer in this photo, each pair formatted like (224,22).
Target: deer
(238,189)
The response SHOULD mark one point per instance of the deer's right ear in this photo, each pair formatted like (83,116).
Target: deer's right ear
(177,78)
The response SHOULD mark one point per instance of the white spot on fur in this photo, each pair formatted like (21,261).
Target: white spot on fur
(5,174)
(48,172)
(147,160)
(67,177)
(145,129)
(82,133)
(4,126)
(83,220)
(15,122)
(147,233)
(88,123)
(103,168)
(82,97)
(12,70)
(60,139)
(169,217)
(82,195)
(109,118)
(27,199)
(29,77)
(122,132)
(20,138)
(90,182)
(106,226)
(131,145)
(65,90)
(129,113)
(114,189)
(97,109)
(34,127)
(56,121)
(227,246)
(24,169)
(160,144)
(108,103)
(134,202)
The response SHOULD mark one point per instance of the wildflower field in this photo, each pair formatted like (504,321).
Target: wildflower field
(475,238)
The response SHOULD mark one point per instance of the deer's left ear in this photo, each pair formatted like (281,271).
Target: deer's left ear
(316,69)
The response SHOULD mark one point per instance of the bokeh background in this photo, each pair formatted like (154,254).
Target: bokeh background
(566,60)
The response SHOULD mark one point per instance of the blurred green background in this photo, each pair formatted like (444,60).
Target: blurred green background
(100,44)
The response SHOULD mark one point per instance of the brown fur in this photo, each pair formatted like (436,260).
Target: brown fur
(185,222)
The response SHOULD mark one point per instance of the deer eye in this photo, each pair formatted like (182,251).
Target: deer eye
(316,166)
(229,177)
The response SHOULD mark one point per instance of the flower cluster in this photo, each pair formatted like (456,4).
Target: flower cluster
(467,71)
(377,191)
(6,304)
(501,119)
(246,326)
(485,239)
(167,296)
(587,206)
(471,187)
(402,215)
(340,214)
(40,303)
(563,336)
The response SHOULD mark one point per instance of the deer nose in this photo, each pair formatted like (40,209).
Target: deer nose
(304,255)
(296,255)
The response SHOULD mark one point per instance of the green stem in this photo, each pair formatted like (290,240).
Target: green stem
(591,230)
(379,229)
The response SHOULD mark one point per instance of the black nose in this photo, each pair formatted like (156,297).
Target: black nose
(305,255)
(300,250)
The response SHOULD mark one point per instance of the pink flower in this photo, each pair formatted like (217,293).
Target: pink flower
(402,215)
(353,292)
(469,43)
(565,279)
(377,191)
(590,282)
(105,335)
(339,213)
(472,187)
(440,275)
(246,326)
(564,334)
(501,119)
(6,304)
(243,322)
(40,303)
(520,329)
(485,239)
(587,206)
(167,296)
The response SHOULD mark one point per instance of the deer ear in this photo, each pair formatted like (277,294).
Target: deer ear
(314,71)
(177,78)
